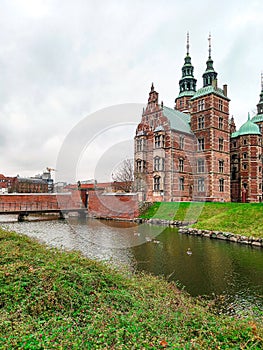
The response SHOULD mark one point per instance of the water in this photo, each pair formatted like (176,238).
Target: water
(228,272)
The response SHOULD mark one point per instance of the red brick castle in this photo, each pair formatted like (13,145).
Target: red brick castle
(193,152)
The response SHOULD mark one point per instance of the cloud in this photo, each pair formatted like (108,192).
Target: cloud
(58,64)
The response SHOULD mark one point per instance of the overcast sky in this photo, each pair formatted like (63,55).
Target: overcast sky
(62,60)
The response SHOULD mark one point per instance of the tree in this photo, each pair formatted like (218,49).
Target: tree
(123,176)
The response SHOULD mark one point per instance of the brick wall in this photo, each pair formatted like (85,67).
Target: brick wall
(40,201)
(113,205)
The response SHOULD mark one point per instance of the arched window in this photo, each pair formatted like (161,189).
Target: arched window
(157,183)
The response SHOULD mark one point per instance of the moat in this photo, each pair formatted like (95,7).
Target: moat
(229,272)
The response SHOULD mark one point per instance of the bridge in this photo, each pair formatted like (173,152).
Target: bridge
(38,203)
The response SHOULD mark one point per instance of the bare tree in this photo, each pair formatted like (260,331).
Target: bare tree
(123,177)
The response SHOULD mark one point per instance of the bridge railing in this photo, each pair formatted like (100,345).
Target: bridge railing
(35,206)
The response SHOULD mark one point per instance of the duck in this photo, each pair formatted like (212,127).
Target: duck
(189,252)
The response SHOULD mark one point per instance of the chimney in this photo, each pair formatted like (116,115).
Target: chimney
(225,89)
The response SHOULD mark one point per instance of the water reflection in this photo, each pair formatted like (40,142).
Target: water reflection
(214,267)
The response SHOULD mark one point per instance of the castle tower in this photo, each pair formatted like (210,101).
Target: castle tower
(246,163)
(210,124)
(187,84)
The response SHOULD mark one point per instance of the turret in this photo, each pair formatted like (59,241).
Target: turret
(210,75)
(187,83)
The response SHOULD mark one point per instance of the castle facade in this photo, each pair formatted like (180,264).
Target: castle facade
(193,152)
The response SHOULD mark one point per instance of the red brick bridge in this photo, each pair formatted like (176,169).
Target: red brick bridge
(24,204)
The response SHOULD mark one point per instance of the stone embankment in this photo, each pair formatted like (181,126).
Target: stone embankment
(226,236)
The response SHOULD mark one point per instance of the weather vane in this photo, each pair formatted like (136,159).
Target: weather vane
(187,44)
(209,40)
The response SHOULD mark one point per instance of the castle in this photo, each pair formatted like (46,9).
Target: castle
(193,152)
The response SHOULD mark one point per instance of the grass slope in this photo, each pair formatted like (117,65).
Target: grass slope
(61,300)
(238,218)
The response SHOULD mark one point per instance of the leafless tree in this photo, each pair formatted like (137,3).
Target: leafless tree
(123,177)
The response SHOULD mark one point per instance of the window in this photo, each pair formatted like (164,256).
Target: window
(140,144)
(221,144)
(159,141)
(201,166)
(220,105)
(220,123)
(157,183)
(181,141)
(234,144)
(259,169)
(140,165)
(244,142)
(221,166)
(158,164)
(221,185)
(181,184)
(201,105)
(260,186)
(201,122)
(244,155)
(181,164)
(201,144)
(201,184)
(234,173)
(245,166)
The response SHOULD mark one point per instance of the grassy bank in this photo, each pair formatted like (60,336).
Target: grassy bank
(245,219)
(60,300)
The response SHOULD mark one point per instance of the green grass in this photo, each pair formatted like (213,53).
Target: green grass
(61,300)
(245,219)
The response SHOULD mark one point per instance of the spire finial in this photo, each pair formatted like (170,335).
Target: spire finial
(248,117)
(209,49)
(261,81)
(152,87)
(187,44)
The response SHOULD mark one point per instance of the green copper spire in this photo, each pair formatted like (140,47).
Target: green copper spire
(188,83)
(260,104)
(210,73)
